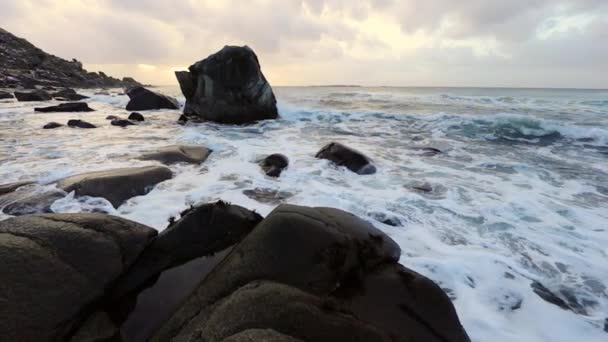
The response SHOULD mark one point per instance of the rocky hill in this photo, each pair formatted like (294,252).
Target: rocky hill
(23,65)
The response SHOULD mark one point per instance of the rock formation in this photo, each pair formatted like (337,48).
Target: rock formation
(144,99)
(345,156)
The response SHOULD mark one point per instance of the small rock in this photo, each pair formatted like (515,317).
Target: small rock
(274,164)
(5,95)
(52,125)
(37,95)
(179,154)
(66,107)
(121,123)
(80,124)
(345,156)
(267,195)
(135,116)
(112,117)
(182,119)
(10,187)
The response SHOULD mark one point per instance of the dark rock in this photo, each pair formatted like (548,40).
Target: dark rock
(129,82)
(37,95)
(182,119)
(66,107)
(269,196)
(135,116)
(5,95)
(144,99)
(179,154)
(34,204)
(66,262)
(69,95)
(427,151)
(121,123)
(228,87)
(10,187)
(80,124)
(52,125)
(112,117)
(274,164)
(116,185)
(255,335)
(345,156)
(105,93)
(565,299)
(387,219)
(202,231)
(98,327)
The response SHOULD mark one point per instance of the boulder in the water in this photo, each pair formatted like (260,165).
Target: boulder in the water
(228,87)
(116,185)
(66,107)
(121,123)
(144,99)
(112,117)
(36,95)
(5,95)
(34,204)
(69,95)
(345,156)
(74,123)
(52,125)
(179,154)
(135,116)
(274,164)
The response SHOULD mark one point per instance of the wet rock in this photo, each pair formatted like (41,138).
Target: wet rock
(97,328)
(426,151)
(116,185)
(37,95)
(387,219)
(274,164)
(66,107)
(228,87)
(34,204)
(121,123)
(182,119)
(52,125)
(69,95)
(144,99)
(254,335)
(202,230)
(80,124)
(10,187)
(5,95)
(112,117)
(345,156)
(135,116)
(179,154)
(66,262)
(269,196)
(565,299)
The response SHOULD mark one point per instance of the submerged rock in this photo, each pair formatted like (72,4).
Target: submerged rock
(80,124)
(348,157)
(565,299)
(228,87)
(121,122)
(179,154)
(135,116)
(66,107)
(37,95)
(144,99)
(65,264)
(52,125)
(116,185)
(274,164)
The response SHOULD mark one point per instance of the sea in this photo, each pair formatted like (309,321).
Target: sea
(486,190)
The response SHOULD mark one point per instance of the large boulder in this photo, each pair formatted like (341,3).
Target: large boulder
(228,87)
(144,99)
(179,154)
(55,268)
(345,156)
(66,107)
(116,185)
(37,95)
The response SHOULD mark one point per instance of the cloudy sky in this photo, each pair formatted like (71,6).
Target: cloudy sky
(521,43)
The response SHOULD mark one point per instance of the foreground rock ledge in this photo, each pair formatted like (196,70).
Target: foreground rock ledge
(228,87)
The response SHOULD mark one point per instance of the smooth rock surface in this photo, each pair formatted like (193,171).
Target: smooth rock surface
(144,99)
(136,116)
(66,107)
(10,187)
(345,156)
(179,154)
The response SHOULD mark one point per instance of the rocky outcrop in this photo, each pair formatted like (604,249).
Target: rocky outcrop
(26,66)
(52,125)
(75,123)
(66,107)
(228,87)
(274,164)
(68,95)
(116,185)
(179,154)
(144,99)
(345,156)
(56,267)
(5,95)
(135,116)
(37,95)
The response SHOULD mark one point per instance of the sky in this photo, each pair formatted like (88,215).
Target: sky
(497,43)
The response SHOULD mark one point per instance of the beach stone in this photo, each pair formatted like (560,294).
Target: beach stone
(144,99)
(228,87)
(116,185)
(52,125)
(80,124)
(69,94)
(135,116)
(36,95)
(33,203)
(121,123)
(274,164)
(179,154)
(5,95)
(352,159)
(66,107)
(65,264)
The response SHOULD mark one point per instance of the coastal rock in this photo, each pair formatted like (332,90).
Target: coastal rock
(135,116)
(65,264)
(274,164)
(52,125)
(202,230)
(37,95)
(269,196)
(116,185)
(69,95)
(345,156)
(66,107)
(254,335)
(10,187)
(5,95)
(121,123)
(179,154)
(228,87)
(34,204)
(112,117)
(144,99)
(74,123)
